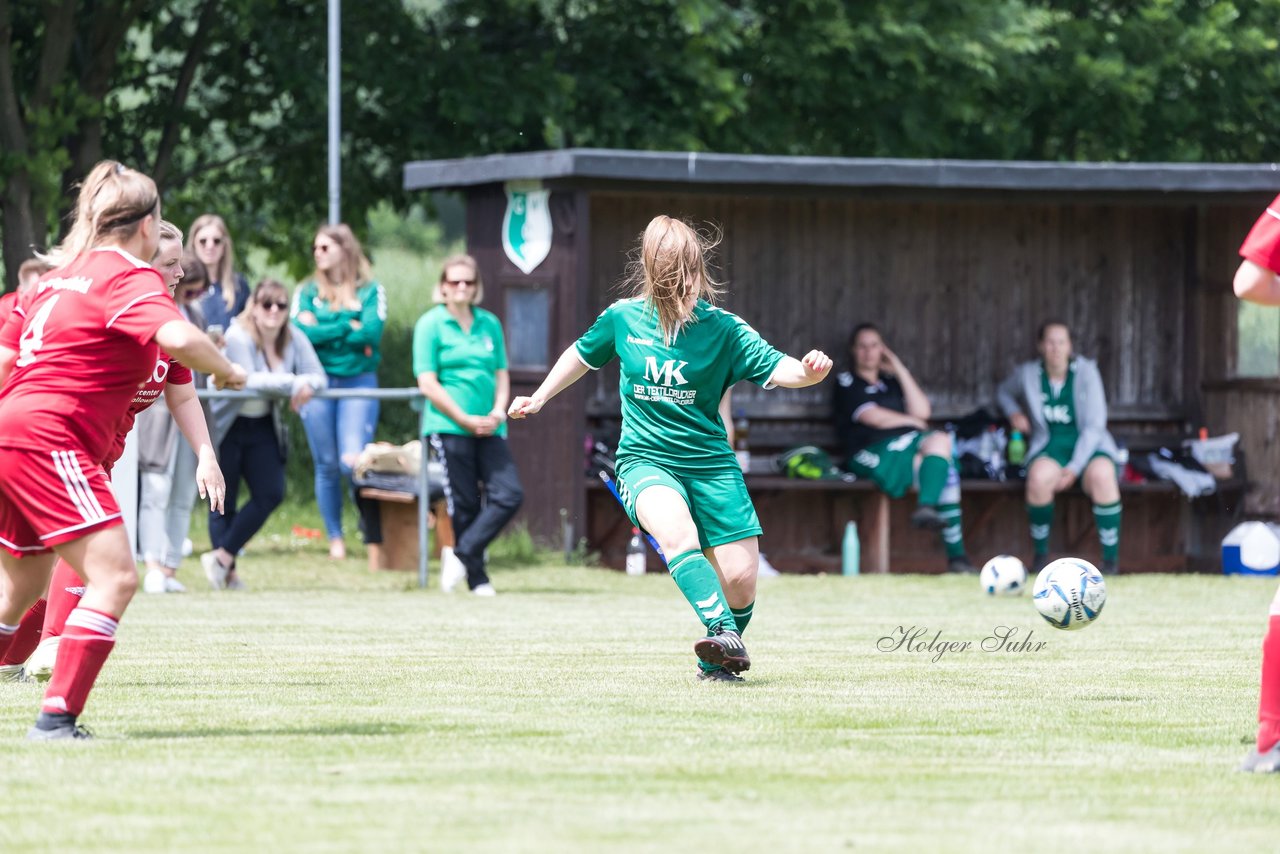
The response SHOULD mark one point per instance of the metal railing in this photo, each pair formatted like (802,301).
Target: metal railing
(403,394)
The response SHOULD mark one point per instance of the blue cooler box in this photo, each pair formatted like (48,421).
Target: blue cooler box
(1252,548)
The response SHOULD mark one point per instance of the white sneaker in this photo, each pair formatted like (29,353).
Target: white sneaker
(12,673)
(214,570)
(187,547)
(452,570)
(153,581)
(173,585)
(40,664)
(485,589)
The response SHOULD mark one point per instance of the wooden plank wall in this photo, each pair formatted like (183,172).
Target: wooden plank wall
(957,287)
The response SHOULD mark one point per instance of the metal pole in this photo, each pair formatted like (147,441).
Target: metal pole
(424,502)
(335,112)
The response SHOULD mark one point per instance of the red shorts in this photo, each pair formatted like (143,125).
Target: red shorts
(51,497)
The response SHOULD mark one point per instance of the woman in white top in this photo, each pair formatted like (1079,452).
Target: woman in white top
(250,434)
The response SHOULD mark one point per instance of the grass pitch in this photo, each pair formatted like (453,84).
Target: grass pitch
(331,710)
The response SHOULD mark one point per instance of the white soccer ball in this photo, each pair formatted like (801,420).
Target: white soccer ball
(1069,593)
(1003,575)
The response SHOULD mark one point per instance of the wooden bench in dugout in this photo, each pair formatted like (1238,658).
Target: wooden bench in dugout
(804,520)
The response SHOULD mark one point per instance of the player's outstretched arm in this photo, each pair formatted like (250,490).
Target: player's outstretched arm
(189,345)
(799,373)
(1255,283)
(189,416)
(567,370)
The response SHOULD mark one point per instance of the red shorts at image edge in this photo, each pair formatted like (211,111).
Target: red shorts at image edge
(51,497)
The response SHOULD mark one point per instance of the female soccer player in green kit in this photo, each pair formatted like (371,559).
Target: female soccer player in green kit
(678,478)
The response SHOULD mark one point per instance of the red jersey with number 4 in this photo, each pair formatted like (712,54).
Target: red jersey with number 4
(1262,246)
(84,348)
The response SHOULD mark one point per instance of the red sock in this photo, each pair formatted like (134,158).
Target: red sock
(1269,704)
(65,589)
(87,641)
(6,637)
(27,636)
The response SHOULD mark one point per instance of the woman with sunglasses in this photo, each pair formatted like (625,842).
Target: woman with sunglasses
(250,434)
(460,360)
(341,311)
(228,290)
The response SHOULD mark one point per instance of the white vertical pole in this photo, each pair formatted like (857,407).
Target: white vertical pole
(124,483)
(335,112)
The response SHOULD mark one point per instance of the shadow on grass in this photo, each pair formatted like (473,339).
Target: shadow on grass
(337,729)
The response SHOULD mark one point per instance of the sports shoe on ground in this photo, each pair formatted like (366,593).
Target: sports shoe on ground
(173,585)
(337,549)
(452,570)
(718,675)
(1109,567)
(40,664)
(1262,763)
(725,649)
(13,673)
(153,581)
(961,565)
(214,570)
(71,730)
(928,518)
(234,583)
(485,589)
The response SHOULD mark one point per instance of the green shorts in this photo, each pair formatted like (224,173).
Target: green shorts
(719,503)
(1061,451)
(891,464)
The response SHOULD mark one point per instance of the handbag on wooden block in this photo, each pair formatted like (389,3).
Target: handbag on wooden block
(386,458)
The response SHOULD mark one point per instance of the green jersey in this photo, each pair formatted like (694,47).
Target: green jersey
(671,390)
(465,363)
(343,350)
(1060,408)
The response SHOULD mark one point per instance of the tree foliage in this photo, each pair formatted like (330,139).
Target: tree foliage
(225,100)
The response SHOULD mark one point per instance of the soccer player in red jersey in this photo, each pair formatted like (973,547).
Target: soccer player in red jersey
(1258,280)
(45,623)
(91,333)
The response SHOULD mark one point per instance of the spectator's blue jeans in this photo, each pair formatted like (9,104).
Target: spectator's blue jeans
(337,431)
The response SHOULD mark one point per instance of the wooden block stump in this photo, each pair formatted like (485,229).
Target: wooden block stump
(399,511)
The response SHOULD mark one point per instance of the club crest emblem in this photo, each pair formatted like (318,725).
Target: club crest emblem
(526,225)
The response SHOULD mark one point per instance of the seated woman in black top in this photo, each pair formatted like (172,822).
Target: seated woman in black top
(881,418)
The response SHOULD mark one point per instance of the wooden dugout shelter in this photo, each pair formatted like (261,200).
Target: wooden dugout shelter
(956,261)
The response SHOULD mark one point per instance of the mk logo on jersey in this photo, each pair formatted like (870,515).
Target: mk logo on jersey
(668,374)
(1058,414)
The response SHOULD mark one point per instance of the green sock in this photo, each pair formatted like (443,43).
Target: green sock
(697,580)
(953,534)
(1107,518)
(933,477)
(1041,516)
(741,616)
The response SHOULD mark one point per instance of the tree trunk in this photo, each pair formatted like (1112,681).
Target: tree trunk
(19,226)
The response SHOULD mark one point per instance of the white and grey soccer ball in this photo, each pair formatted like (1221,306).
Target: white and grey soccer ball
(1003,575)
(1069,593)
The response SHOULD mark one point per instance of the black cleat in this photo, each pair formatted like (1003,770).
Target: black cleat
(928,518)
(718,675)
(723,649)
(1262,763)
(1109,567)
(961,566)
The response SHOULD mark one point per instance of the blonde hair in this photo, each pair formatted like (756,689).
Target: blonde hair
(354,269)
(169,231)
(266,288)
(112,203)
(28,268)
(459,260)
(224,273)
(669,267)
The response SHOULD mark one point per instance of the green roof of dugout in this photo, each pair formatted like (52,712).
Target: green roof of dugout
(703,169)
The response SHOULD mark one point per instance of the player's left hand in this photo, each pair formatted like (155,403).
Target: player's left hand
(1065,480)
(522,406)
(235,379)
(817,365)
(209,480)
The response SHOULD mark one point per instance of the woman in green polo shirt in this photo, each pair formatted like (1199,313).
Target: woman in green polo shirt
(460,360)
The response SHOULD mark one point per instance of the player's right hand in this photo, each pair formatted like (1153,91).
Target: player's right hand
(522,406)
(236,379)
